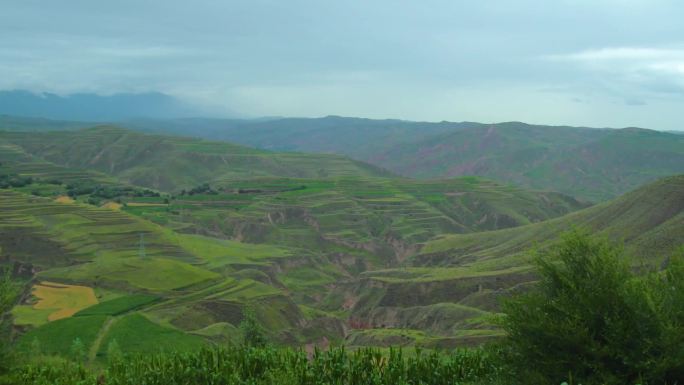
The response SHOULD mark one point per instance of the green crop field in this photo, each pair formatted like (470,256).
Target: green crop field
(135,333)
(58,336)
(118,305)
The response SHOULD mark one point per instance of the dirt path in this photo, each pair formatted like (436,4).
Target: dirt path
(92,354)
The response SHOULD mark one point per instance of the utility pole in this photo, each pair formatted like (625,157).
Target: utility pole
(141,249)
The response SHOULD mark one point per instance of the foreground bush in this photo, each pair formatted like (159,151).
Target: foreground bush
(593,321)
(252,365)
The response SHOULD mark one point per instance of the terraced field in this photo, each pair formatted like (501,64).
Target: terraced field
(387,217)
(349,255)
(174,163)
(14,159)
(100,248)
(460,277)
(282,246)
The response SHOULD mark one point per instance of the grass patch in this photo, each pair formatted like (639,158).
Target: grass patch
(26,315)
(56,337)
(219,252)
(156,274)
(118,305)
(135,333)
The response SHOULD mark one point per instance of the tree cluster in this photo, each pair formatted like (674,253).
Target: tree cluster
(592,320)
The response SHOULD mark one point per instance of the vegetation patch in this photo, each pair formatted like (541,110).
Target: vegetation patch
(54,301)
(118,305)
(27,315)
(64,199)
(136,333)
(57,337)
(157,274)
(220,252)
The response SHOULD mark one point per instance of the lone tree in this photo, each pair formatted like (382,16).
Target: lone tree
(591,320)
(253,334)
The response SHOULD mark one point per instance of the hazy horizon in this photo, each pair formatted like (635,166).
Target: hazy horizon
(609,63)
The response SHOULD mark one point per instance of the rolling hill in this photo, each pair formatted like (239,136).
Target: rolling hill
(450,287)
(592,164)
(174,163)
(355,137)
(589,164)
(649,221)
(186,265)
(321,246)
(333,201)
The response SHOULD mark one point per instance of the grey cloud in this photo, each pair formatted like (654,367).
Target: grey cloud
(428,60)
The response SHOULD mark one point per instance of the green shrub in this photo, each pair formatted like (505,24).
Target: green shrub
(592,320)
(252,332)
(77,352)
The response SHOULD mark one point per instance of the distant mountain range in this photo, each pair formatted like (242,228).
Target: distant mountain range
(93,107)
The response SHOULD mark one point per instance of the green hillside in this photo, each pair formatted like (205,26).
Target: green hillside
(649,221)
(592,164)
(451,286)
(174,163)
(191,262)
(117,254)
(347,207)
(587,163)
(386,217)
(354,137)
(348,254)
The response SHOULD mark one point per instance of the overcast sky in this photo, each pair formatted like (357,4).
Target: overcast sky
(583,62)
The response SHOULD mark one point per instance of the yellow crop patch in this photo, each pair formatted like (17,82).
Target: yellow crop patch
(63,300)
(64,199)
(112,206)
